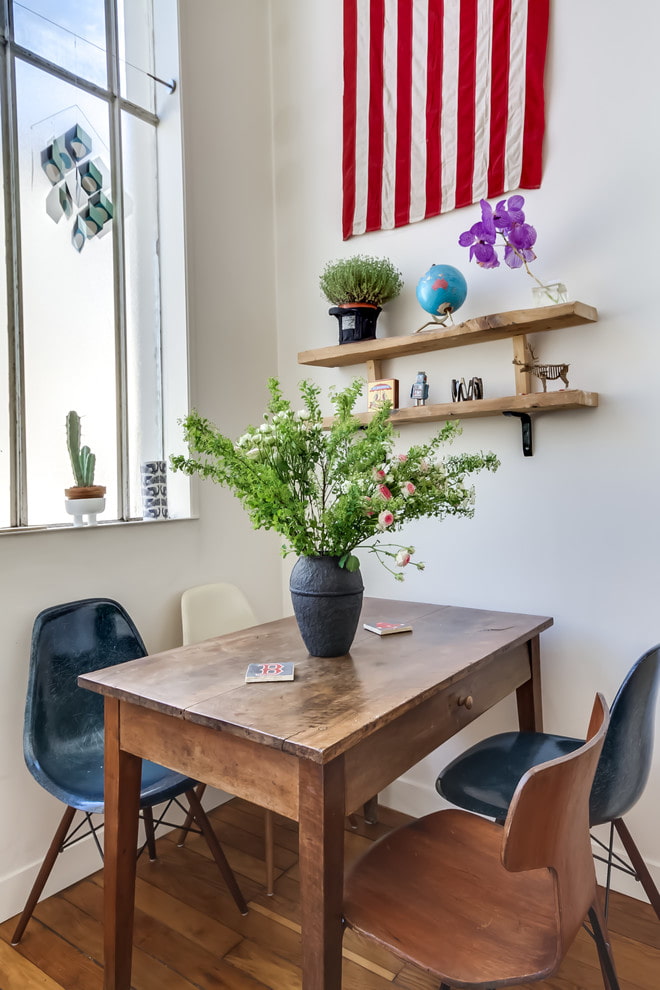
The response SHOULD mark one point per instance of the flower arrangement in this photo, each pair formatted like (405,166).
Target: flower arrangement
(328,491)
(517,237)
(360,279)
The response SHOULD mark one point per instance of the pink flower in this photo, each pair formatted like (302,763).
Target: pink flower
(384,491)
(423,466)
(402,457)
(379,474)
(407,488)
(402,558)
(385,519)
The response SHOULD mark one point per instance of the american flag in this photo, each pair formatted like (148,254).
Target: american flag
(443,105)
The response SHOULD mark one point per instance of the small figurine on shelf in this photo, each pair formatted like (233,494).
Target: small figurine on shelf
(420,389)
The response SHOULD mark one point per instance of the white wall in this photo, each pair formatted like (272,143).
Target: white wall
(146,567)
(571,532)
(574,531)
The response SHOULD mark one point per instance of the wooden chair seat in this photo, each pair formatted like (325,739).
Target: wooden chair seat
(449,877)
(481,906)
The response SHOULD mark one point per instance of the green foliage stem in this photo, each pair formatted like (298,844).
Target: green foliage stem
(328,491)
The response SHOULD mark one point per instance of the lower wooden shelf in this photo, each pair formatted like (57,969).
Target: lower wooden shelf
(528,403)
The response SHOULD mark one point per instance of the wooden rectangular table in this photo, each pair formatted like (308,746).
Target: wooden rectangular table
(313,749)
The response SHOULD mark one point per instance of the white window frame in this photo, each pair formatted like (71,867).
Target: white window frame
(10,52)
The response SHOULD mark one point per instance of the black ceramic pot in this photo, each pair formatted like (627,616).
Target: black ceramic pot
(327,601)
(356,322)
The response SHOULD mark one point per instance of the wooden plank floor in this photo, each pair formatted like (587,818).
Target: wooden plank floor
(188,933)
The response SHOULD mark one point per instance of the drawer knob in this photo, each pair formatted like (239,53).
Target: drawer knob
(466,701)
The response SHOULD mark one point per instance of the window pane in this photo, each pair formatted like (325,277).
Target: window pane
(68,295)
(5,460)
(145,428)
(136,52)
(70,34)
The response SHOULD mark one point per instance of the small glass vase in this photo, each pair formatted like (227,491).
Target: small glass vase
(550,294)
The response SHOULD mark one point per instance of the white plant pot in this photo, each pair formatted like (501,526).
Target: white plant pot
(79,507)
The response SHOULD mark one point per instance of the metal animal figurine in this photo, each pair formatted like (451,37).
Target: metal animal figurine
(544,372)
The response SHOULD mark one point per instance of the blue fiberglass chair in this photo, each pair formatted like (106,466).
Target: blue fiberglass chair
(484,778)
(63,731)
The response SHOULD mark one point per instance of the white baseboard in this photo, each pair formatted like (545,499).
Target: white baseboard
(73,864)
(417,800)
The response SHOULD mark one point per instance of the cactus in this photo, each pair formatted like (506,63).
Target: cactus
(83,461)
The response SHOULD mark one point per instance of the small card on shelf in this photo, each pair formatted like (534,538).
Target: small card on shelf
(380,390)
(387,628)
(258,672)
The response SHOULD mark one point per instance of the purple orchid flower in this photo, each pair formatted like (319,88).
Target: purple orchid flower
(508,212)
(480,238)
(520,239)
(507,219)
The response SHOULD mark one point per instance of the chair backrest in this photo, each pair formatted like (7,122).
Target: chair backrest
(625,762)
(69,640)
(213,610)
(548,825)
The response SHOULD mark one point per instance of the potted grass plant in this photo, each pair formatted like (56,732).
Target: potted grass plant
(358,287)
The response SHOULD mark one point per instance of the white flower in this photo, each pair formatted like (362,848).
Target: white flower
(265,428)
(252,454)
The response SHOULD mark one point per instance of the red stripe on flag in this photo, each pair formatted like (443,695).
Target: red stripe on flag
(350,115)
(466,116)
(376,116)
(434,59)
(537,43)
(499,95)
(403,113)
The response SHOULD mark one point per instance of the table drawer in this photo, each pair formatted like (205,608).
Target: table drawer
(390,751)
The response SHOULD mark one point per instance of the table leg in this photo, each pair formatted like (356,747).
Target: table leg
(122,805)
(321,820)
(528,695)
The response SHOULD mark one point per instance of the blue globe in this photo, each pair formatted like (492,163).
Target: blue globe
(442,290)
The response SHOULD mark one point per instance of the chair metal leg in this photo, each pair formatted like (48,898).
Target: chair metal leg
(216,850)
(199,790)
(268,852)
(638,865)
(599,928)
(148,818)
(370,810)
(44,873)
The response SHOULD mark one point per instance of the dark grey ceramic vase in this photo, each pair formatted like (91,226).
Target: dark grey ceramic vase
(327,601)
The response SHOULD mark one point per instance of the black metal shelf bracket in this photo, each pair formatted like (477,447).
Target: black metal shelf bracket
(526,425)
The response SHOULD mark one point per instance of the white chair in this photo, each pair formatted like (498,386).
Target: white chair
(210,610)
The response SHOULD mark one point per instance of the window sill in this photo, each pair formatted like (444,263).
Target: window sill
(109,524)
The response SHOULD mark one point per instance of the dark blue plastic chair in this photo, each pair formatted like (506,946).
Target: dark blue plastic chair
(63,730)
(484,778)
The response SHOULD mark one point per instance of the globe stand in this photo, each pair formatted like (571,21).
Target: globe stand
(438,321)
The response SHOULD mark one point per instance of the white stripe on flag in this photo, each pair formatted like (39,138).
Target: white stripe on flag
(482,100)
(516,120)
(449,103)
(362,118)
(419,89)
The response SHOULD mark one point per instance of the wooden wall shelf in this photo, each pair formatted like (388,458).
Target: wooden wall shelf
(498,326)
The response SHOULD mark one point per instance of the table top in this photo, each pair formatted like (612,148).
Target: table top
(331,703)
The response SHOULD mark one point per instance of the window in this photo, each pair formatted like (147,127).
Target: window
(95,289)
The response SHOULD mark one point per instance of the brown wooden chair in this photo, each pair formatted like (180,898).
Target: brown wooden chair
(480,906)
